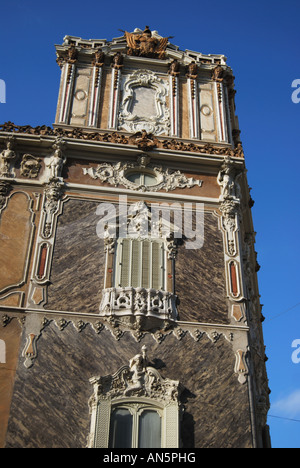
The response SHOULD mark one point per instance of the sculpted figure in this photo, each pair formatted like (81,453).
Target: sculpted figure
(226,179)
(137,366)
(7,157)
(56,163)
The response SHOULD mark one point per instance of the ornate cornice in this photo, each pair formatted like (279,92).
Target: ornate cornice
(144,142)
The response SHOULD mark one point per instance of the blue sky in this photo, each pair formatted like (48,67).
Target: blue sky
(261,40)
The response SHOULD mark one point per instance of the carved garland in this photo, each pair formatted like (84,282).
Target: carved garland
(116,174)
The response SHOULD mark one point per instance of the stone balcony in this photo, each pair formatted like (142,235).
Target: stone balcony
(138,302)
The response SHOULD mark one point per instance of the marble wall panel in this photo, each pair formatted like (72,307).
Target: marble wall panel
(77,273)
(16,231)
(200,278)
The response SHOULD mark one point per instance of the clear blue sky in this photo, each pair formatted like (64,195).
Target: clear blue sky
(261,40)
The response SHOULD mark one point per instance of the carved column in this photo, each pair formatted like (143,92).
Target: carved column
(220,97)
(117,65)
(96,88)
(193,100)
(174,72)
(68,79)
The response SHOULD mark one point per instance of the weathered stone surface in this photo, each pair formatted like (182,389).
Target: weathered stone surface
(50,401)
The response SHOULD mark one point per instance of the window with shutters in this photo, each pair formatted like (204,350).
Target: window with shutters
(140,263)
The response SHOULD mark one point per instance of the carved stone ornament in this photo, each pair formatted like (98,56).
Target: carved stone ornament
(30,166)
(138,380)
(144,141)
(144,104)
(53,192)
(5,188)
(117,174)
(146,44)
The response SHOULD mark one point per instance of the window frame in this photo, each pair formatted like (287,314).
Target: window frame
(136,409)
(101,411)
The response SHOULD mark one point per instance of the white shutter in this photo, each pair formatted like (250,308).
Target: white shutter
(146,264)
(125,245)
(157,265)
(136,264)
(140,263)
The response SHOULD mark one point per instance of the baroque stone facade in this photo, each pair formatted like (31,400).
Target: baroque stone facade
(127,246)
